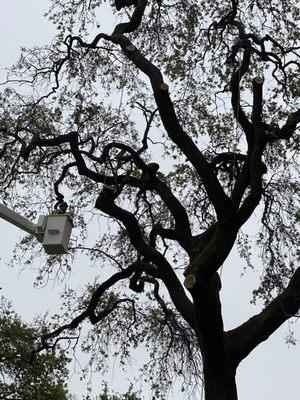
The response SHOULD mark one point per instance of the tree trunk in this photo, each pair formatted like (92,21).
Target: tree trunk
(219,381)
(219,371)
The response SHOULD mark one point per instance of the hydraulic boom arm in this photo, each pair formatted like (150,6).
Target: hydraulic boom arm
(17,220)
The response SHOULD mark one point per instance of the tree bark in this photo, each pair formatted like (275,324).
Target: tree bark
(218,368)
(219,380)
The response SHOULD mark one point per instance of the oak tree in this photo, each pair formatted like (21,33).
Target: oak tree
(172,123)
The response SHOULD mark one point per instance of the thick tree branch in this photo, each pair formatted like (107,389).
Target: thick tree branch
(213,252)
(95,176)
(135,20)
(223,205)
(253,168)
(37,141)
(224,208)
(255,177)
(235,93)
(243,339)
(257,85)
(290,126)
(182,225)
(59,196)
(105,203)
(242,183)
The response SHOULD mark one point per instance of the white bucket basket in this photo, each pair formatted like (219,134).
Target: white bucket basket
(57,234)
(53,231)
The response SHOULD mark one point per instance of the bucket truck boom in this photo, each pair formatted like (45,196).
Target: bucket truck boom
(52,230)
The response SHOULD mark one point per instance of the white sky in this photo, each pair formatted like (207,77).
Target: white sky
(270,372)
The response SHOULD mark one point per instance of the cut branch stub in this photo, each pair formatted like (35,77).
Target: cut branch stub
(258,80)
(131,48)
(190,281)
(108,187)
(164,87)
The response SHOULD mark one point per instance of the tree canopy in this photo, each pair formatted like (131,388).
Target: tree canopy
(169,127)
(24,374)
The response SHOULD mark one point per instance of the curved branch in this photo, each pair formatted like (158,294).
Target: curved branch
(135,20)
(95,176)
(290,126)
(182,225)
(105,203)
(59,196)
(243,339)
(89,312)
(173,204)
(95,318)
(223,205)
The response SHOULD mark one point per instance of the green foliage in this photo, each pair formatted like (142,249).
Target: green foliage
(23,376)
(130,395)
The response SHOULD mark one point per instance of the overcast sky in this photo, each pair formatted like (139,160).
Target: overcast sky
(270,372)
